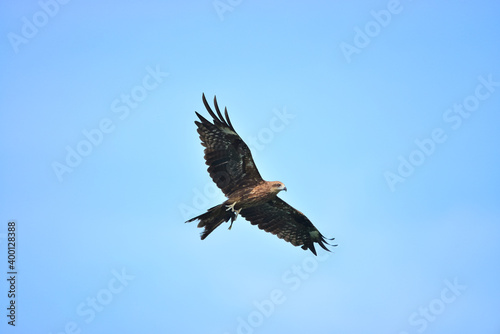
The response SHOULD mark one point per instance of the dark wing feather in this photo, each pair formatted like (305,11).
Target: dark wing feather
(230,163)
(281,219)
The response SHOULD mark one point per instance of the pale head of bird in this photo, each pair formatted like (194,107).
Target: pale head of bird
(278,186)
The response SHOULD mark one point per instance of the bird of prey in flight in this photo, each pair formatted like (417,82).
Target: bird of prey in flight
(231,167)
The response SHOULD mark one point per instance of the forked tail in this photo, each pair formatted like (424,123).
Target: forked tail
(211,219)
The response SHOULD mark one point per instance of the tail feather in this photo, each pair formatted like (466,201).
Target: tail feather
(211,219)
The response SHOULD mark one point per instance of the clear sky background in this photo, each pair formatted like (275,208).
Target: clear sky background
(381,117)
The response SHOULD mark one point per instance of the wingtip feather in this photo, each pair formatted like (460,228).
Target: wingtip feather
(209,109)
(217,109)
(227,119)
(313,250)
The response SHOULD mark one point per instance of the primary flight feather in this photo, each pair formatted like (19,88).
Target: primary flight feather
(231,167)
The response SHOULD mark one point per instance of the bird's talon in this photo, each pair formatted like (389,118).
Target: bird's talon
(231,207)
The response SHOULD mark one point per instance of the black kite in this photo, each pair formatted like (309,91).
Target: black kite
(231,167)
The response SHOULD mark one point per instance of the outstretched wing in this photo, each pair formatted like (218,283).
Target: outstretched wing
(230,163)
(281,219)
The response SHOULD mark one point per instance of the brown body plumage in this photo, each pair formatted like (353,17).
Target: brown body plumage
(260,194)
(232,168)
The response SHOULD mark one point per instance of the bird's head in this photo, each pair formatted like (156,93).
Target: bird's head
(278,186)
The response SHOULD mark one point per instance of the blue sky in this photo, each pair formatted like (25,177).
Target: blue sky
(381,117)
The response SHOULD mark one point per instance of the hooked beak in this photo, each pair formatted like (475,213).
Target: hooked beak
(284,189)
